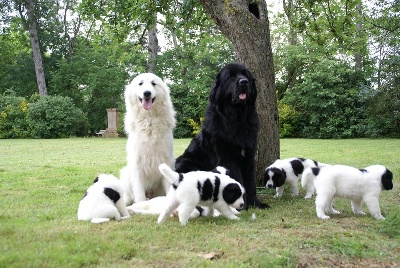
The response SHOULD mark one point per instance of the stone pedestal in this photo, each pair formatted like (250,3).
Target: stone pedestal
(113,124)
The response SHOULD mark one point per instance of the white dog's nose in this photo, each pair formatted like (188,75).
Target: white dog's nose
(269,186)
(147,94)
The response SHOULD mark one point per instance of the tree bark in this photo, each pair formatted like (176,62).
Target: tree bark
(152,45)
(359,29)
(246,25)
(37,55)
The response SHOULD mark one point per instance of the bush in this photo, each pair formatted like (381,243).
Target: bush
(56,117)
(13,117)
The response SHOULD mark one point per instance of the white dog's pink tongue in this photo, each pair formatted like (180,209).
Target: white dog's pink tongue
(146,104)
(242,96)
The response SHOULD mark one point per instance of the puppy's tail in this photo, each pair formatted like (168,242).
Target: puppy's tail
(308,176)
(168,173)
(307,180)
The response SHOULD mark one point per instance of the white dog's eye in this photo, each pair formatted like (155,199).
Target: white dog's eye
(153,83)
(141,83)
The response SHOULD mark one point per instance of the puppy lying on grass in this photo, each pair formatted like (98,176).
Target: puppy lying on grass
(103,201)
(201,188)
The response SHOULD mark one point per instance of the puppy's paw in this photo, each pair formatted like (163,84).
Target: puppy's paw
(324,217)
(379,217)
(335,211)
(125,217)
(130,210)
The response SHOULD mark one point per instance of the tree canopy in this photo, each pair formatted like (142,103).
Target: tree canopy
(336,62)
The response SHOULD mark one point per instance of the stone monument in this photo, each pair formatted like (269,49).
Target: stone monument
(113,123)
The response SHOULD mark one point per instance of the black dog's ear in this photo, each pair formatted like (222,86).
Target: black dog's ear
(231,193)
(215,91)
(386,179)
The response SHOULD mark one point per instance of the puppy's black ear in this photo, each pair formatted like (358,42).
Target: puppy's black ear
(279,177)
(386,179)
(96,180)
(215,91)
(231,193)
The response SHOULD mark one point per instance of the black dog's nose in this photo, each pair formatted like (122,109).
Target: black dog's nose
(243,81)
(242,206)
(147,94)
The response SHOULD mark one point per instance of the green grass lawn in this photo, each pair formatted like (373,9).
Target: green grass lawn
(42,182)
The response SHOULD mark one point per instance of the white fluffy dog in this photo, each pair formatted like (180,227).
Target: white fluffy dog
(149,122)
(103,201)
(287,171)
(358,185)
(202,188)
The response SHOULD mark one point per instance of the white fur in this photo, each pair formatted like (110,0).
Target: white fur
(184,193)
(155,206)
(350,183)
(307,180)
(97,207)
(149,125)
(292,179)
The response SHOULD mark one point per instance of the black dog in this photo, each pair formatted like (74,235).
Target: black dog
(228,136)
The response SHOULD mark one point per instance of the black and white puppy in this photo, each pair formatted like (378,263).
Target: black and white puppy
(287,171)
(201,188)
(358,185)
(103,201)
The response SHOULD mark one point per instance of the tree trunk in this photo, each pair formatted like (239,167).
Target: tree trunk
(37,55)
(247,27)
(357,54)
(152,45)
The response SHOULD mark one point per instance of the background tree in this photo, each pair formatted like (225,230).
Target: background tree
(34,38)
(253,48)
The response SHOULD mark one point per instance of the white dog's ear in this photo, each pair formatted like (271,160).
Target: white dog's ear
(386,179)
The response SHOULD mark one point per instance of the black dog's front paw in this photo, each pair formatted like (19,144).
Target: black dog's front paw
(257,203)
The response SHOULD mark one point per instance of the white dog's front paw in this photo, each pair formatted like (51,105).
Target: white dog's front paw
(235,218)
(125,217)
(277,196)
(308,196)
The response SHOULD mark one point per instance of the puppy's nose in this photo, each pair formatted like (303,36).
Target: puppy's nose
(241,206)
(243,81)
(269,186)
(147,94)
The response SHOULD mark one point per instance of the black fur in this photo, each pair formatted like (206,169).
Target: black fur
(207,190)
(112,194)
(278,178)
(231,193)
(297,166)
(315,171)
(363,170)
(96,180)
(228,136)
(217,184)
(386,179)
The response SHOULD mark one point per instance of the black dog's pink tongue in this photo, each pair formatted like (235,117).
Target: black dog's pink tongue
(146,104)
(242,96)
